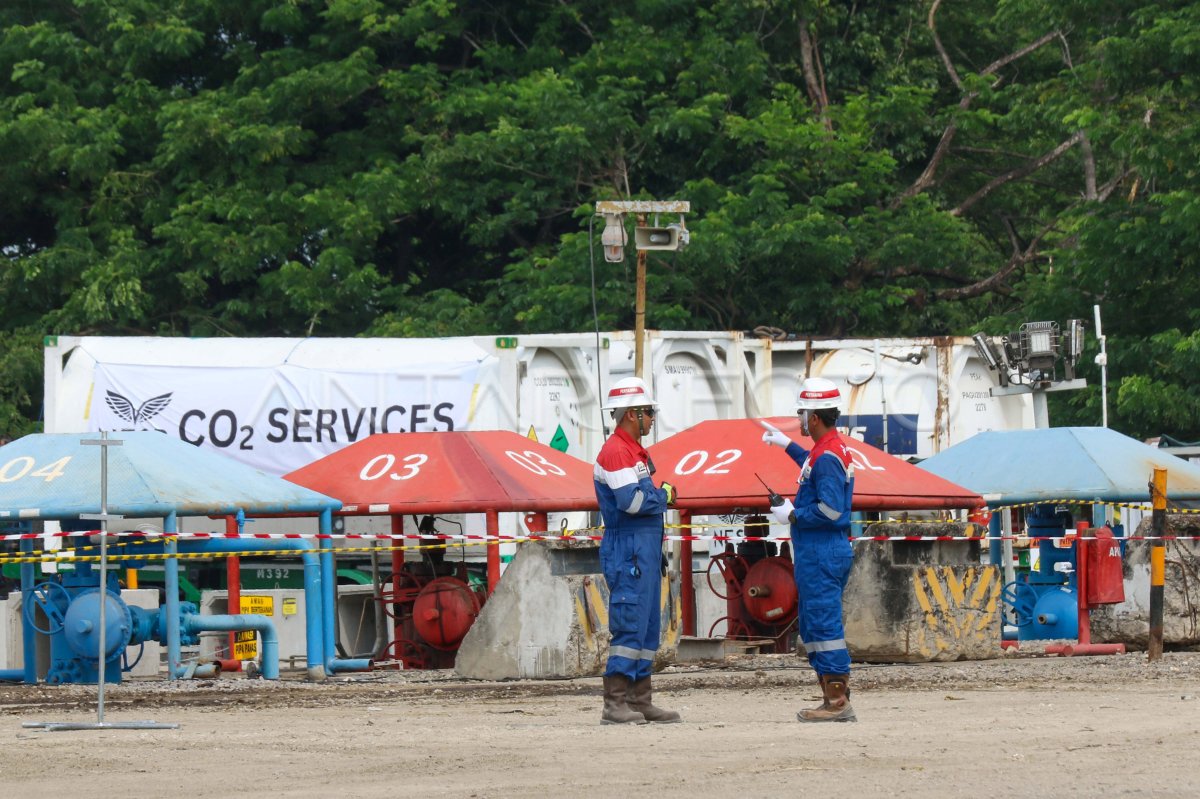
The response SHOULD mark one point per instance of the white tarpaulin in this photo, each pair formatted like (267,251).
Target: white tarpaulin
(279,418)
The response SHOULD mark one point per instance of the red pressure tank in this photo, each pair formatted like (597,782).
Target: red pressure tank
(1105,576)
(444,611)
(769,591)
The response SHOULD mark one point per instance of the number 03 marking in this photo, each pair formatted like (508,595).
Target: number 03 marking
(535,462)
(693,461)
(380,465)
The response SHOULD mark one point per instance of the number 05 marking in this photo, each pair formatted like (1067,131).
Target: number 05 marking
(693,461)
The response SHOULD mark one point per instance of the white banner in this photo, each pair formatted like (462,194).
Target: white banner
(280,418)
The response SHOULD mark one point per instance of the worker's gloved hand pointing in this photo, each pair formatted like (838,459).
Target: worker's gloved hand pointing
(670,489)
(774,436)
(783,513)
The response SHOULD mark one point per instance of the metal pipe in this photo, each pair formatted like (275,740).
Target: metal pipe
(686,585)
(28,635)
(639,312)
(195,623)
(314,643)
(1070,650)
(171,587)
(333,664)
(397,565)
(1082,578)
(492,546)
(882,397)
(312,591)
(1158,561)
(995,538)
(12,675)
(1102,361)
(233,587)
(381,638)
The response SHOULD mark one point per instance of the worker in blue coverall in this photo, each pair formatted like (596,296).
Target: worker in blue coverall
(631,555)
(820,526)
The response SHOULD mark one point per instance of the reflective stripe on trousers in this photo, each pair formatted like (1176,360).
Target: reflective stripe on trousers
(631,564)
(822,567)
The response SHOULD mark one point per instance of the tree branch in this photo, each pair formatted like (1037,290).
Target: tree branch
(937,43)
(1018,173)
(996,281)
(1089,167)
(926,178)
(919,271)
(813,83)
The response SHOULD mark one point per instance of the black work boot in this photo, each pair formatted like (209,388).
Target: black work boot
(639,700)
(616,707)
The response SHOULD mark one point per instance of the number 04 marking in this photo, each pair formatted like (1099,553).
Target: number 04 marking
(20,467)
(691,462)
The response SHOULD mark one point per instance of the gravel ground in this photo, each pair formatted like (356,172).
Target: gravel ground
(1014,726)
(1013,670)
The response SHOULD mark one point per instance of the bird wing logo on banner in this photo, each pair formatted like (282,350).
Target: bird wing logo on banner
(123,408)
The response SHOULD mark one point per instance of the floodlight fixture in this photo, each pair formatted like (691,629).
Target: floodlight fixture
(1074,346)
(983,346)
(613,238)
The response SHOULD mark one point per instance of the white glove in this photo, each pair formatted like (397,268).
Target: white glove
(783,513)
(774,435)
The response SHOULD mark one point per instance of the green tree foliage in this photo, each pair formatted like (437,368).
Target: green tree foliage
(429,167)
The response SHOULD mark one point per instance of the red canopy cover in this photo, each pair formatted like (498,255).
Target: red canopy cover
(713,467)
(460,472)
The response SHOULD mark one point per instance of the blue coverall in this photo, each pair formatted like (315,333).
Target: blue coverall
(821,550)
(630,553)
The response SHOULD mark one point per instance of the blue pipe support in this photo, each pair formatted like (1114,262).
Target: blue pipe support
(12,675)
(243,621)
(314,649)
(171,587)
(333,664)
(995,533)
(28,635)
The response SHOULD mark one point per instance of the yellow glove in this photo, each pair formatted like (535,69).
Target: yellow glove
(670,489)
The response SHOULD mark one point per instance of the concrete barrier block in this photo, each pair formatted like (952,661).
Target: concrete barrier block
(913,602)
(548,618)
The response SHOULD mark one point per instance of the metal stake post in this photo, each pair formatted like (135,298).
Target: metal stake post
(1158,521)
(639,310)
(104,442)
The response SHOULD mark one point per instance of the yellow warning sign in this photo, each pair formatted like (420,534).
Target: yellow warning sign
(264,605)
(289,606)
(532,434)
(245,645)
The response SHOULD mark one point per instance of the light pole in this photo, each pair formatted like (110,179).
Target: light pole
(673,237)
(1102,362)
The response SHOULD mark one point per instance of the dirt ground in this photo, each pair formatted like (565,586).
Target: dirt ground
(1017,726)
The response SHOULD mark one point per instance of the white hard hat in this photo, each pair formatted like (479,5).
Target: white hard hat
(817,393)
(629,392)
